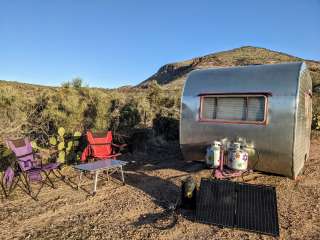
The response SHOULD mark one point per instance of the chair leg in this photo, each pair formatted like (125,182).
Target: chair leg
(13,185)
(57,173)
(26,186)
(29,189)
(80,180)
(122,175)
(95,182)
(108,176)
(35,196)
(47,174)
(25,183)
(23,187)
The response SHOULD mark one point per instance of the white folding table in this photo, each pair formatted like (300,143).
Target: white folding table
(109,166)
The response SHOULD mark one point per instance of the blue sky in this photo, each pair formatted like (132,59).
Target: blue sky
(115,43)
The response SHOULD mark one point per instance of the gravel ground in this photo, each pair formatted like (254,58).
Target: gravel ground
(138,209)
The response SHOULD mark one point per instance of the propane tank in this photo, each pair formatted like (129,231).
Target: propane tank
(209,157)
(252,155)
(237,158)
(213,155)
(216,149)
(231,148)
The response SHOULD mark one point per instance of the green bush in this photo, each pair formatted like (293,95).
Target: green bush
(38,112)
(77,82)
(315,124)
(129,117)
(168,127)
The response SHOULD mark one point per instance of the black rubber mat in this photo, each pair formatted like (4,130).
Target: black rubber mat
(238,205)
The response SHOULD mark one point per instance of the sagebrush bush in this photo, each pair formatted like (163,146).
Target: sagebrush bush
(38,112)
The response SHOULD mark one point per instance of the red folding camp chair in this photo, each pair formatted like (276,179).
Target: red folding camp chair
(101,146)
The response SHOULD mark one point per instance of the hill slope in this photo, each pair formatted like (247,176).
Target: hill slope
(173,75)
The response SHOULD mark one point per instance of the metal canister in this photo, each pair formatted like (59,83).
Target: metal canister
(252,155)
(216,149)
(233,146)
(213,155)
(237,158)
(209,157)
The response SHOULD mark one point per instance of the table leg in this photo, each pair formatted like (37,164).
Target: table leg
(95,182)
(122,176)
(80,179)
(108,178)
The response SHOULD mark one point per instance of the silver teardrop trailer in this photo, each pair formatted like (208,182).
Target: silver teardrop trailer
(267,107)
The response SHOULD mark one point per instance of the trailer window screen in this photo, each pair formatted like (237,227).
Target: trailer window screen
(233,108)
(255,108)
(209,108)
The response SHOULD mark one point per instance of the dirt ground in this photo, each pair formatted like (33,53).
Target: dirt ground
(138,209)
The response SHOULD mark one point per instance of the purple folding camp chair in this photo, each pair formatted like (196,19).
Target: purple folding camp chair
(29,169)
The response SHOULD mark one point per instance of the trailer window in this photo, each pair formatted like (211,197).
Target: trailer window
(231,108)
(247,109)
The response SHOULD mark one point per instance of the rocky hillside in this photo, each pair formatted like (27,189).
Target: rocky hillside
(173,75)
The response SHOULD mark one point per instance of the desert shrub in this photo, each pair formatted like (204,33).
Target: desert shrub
(124,116)
(315,121)
(14,111)
(166,126)
(154,93)
(139,140)
(142,104)
(115,108)
(7,158)
(77,82)
(129,116)
(37,125)
(102,120)
(66,84)
(90,113)
(67,109)
(38,112)
(315,124)
(167,102)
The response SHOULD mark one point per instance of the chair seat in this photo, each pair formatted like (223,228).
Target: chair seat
(50,166)
(34,174)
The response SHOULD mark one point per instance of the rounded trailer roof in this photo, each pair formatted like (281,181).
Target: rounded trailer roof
(275,78)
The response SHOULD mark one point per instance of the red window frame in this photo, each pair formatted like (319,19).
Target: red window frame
(258,94)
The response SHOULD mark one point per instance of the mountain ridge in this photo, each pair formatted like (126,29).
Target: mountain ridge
(173,75)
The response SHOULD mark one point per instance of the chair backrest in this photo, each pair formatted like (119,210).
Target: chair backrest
(23,151)
(100,144)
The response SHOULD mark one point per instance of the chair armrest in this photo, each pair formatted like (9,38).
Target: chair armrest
(38,159)
(115,155)
(120,147)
